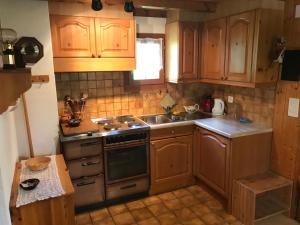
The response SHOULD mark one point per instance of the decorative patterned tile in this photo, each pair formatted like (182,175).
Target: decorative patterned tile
(211,219)
(107,221)
(181,193)
(99,214)
(195,221)
(158,209)
(167,196)
(189,200)
(152,200)
(168,219)
(135,205)
(174,204)
(117,209)
(141,214)
(200,210)
(83,219)
(150,221)
(124,219)
(185,214)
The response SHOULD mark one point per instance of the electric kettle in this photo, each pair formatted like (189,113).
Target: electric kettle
(218,108)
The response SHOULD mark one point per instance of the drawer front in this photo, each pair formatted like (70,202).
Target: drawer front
(171,132)
(85,167)
(81,149)
(89,190)
(127,188)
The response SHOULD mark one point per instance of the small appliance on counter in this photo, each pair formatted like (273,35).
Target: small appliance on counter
(192,108)
(8,38)
(219,107)
(208,104)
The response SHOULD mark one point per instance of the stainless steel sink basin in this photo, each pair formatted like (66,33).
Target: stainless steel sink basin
(167,118)
(156,119)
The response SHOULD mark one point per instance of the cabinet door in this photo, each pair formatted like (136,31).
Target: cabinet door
(115,38)
(73,36)
(190,51)
(240,36)
(213,49)
(213,156)
(171,161)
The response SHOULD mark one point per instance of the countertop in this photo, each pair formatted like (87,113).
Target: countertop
(221,125)
(231,128)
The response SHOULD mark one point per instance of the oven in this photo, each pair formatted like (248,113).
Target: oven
(126,164)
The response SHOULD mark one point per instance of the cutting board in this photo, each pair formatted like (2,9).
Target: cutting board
(85,126)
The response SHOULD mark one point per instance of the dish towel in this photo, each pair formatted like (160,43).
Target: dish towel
(49,186)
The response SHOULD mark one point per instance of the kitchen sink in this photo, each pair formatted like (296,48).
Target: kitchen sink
(168,118)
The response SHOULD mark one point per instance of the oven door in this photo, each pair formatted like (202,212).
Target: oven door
(124,162)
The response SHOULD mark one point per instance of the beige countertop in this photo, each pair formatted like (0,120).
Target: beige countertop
(224,126)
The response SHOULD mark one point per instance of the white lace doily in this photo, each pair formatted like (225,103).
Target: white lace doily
(49,186)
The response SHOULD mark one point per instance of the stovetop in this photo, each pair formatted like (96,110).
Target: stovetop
(119,124)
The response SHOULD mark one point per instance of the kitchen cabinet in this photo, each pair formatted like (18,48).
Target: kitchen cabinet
(73,36)
(213,159)
(182,51)
(213,49)
(219,161)
(171,160)
(240,33)
(236,49)
(115,38)
(83,43)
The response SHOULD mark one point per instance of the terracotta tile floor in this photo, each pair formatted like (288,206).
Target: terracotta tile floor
(188,206)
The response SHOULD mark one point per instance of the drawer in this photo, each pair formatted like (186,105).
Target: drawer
(81,149)
(85,167)
(89,190)
(127,188)
(171,132)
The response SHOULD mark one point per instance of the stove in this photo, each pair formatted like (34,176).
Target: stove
(126,155)
(120,125)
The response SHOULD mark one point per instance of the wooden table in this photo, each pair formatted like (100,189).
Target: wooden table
(53,211)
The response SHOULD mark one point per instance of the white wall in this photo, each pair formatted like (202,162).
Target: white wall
(28,18)
(150,25)
(31,18)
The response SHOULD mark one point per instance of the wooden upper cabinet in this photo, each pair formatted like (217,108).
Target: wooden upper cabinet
(115,38)
(240,37)
(213,49)
(182,51)
(73,36)
(190,51)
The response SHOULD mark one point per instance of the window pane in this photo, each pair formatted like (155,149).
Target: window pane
(148,58)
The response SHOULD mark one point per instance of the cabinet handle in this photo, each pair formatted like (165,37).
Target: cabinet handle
(85,183)
(128,186)
(90,163)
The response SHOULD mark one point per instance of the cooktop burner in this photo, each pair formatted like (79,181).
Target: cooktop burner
(111,127)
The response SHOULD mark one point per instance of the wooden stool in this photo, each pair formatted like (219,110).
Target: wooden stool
(260,197)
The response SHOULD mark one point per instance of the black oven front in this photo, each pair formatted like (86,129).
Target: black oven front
(126,157)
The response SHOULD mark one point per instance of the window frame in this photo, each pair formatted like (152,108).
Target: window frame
(161,79)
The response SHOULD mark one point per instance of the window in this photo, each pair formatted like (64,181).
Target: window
(149,59)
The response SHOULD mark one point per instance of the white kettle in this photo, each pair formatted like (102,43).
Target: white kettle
(218,108)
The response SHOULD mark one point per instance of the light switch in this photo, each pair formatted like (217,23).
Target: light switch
(293,110)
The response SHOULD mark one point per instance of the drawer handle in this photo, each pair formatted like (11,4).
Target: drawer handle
(129,186)
(86,183)
(90,144)
(90,163)
(172,132)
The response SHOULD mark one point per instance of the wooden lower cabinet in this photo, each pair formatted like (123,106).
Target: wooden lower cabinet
(213,157)
(218,160)
(171,163)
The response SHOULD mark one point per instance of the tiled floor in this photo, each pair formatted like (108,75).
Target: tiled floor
(188,206)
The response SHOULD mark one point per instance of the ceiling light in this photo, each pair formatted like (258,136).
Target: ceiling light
(129,7)
(97,5)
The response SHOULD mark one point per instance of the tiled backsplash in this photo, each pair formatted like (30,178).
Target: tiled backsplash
(109,96)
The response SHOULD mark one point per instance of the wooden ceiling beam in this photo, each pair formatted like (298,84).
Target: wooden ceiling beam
(193,5)
(150,13)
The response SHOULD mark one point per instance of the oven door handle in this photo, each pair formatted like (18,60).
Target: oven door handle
(90,163)
(124,145)
(128,186)
(90,144)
